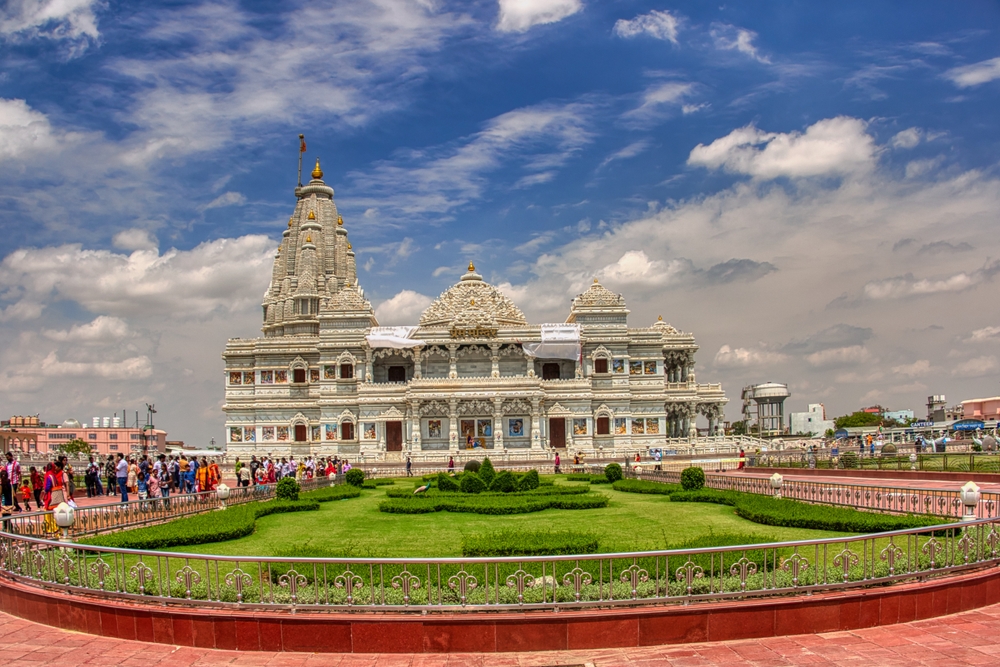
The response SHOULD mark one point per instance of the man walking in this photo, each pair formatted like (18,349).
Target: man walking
(409,466)
(14,477)
(122,476)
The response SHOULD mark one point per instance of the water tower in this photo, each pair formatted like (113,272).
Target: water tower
(764,404)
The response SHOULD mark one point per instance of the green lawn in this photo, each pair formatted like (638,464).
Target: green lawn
(355,527)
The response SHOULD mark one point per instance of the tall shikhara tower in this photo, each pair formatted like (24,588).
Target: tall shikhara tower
(313,266)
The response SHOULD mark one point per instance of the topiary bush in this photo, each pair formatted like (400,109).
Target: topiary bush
(472,483)
(511,542)
(888,448)
(613,472)
(355,477)
(472,466)
(528,481)
(503,483)
(642,486)
(692,478)
(486,472)
(446,483)
(849,460)
(287,489)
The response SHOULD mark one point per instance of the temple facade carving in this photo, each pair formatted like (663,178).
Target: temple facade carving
(325,378)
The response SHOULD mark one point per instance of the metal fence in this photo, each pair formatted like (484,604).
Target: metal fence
(877,497)
(675,576)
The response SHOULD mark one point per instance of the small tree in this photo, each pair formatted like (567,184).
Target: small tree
(288,489)
(486,472)
(355,477)
(613,472)
(76,446)
(692,478)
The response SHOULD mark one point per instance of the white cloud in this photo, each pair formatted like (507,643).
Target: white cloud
(984,334)
(658,101)
(441,270)
(839,356)
(520,15)
(907,138)
(102,329)
(978,367)
(135,239)
(436,180)
(633,149)
(222,275)
(72,21)
(835,146)
(658,24)
(731,38)
(22,129)
(404,308)
(635,267)
(908,285)
(226,199)
(21,311)
(975,74)
(918,368)
(738,357)
(127,369)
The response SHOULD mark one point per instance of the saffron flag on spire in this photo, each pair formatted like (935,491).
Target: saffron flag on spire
(302,143)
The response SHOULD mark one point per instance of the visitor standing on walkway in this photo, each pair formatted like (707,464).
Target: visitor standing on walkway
(742,457)
(132,476)
(121,472)
(14,476)
(557,463)
(111,472)
(37,485)
(451,464)
(409,467)
(25,492)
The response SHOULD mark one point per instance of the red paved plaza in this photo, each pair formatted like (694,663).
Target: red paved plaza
(968,638)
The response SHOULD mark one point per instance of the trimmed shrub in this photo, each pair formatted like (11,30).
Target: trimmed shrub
(613,472)
(355,477)
(528,481)
(472,483)
(888,448)
(504,482)
(472,466)
(231,523)
(287,489)
(578,477)
(496,504)
(402,492)
(486,472)
(528,543)
(849,460)
(339,492)
(446,483)
(708,560)
(692,478)
(642,486)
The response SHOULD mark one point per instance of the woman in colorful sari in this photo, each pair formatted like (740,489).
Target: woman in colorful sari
(214,475)
(53,493)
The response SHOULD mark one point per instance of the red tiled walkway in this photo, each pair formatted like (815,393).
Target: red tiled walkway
(968,638)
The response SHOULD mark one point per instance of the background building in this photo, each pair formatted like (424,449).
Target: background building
(811,422)
(44,438)
(764,408)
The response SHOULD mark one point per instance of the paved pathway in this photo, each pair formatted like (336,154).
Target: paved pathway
(968,638)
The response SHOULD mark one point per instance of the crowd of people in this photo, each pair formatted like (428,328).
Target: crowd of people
(268,470)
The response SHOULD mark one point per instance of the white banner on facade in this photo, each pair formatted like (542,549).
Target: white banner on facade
(559,341)
(394,337)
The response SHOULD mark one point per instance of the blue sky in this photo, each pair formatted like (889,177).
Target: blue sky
(812,191)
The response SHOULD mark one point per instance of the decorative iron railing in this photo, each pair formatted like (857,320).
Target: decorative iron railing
(878,497)
(459,584)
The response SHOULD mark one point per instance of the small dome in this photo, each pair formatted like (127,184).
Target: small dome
(473,299)
(71,423)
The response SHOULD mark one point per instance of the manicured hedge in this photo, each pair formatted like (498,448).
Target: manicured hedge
(540,491)
(504,482)
(795,514)
(229,524)
(498,504)
(472,483)
(643,486)
(587,477)
(528,481)
(528,543)
(487,472)
(710,562)
(613,472)
(339,492)
(287,489)
(692,478)
(446,483)
(355,477)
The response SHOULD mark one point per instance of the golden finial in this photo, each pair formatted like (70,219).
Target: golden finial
(595,281)
(340,221)
(350,284)
(659,318)
(309,238)
(311,216)
(472,267)
(317,172)
(279,249)
(289,223)
(350,247)
(472,302)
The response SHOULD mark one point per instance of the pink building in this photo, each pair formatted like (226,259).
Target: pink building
(981,408)
(105,436)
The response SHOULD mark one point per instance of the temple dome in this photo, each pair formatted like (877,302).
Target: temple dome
(472,302)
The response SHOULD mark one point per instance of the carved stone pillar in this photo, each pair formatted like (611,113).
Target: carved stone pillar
(536,431)
(452,361)
(368,365)
(417,370)
(497,422)
(495,360)
(529,367)
(415,433)
(453,422)
(691,421)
